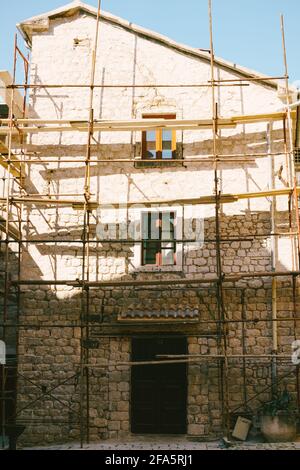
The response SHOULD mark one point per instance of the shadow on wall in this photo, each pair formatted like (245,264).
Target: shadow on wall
(114,261)
(251,143)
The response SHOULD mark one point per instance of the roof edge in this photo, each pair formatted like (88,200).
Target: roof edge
(41,23)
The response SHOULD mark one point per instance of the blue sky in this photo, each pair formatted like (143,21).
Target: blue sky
(246,32)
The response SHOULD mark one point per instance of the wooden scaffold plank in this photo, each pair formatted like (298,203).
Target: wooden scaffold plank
(35,126)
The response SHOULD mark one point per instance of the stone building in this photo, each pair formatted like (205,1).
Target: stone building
(127,315)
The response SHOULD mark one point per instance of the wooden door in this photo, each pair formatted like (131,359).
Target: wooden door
(158,392)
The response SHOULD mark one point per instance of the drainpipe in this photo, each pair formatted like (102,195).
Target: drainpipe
(273,264)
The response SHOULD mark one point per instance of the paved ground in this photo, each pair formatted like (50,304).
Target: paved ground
(174,444)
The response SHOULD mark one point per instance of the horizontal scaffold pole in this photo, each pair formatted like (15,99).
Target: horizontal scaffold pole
(125,85)
(132,283)
(79,205)
(44,125)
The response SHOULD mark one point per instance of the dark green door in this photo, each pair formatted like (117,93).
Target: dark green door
(158,392)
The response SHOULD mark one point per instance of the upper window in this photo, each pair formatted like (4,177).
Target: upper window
(159,246)
(159,144)
(298,184)
(297,140)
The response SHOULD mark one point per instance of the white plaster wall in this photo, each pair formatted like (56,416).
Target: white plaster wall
(125,58)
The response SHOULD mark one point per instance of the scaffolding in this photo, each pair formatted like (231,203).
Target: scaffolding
(18,128)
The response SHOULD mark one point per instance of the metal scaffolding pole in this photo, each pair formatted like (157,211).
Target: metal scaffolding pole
(12,177)
(7,236)
(217,189)
(86,248)
(149,85)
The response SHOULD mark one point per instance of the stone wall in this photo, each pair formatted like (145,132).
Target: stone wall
(49,387)
(51,355)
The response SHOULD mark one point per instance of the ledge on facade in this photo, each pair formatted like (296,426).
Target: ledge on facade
(159,315)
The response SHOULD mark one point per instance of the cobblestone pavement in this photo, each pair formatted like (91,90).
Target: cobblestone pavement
(176,444)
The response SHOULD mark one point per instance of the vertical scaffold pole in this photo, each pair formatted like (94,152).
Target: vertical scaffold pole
(217,190)
(84,371)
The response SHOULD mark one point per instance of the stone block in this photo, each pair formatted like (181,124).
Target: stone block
(195,429)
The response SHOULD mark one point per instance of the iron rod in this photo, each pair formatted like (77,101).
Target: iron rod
(128,85)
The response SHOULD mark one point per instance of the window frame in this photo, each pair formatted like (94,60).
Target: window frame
(159,242)
(135,215)
(297,175)
(159,140)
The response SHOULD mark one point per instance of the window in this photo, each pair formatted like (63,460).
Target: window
(159,144)
(4,114)
(298,184)
(158,230)
(297,156)
(297,139)
(4,111)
